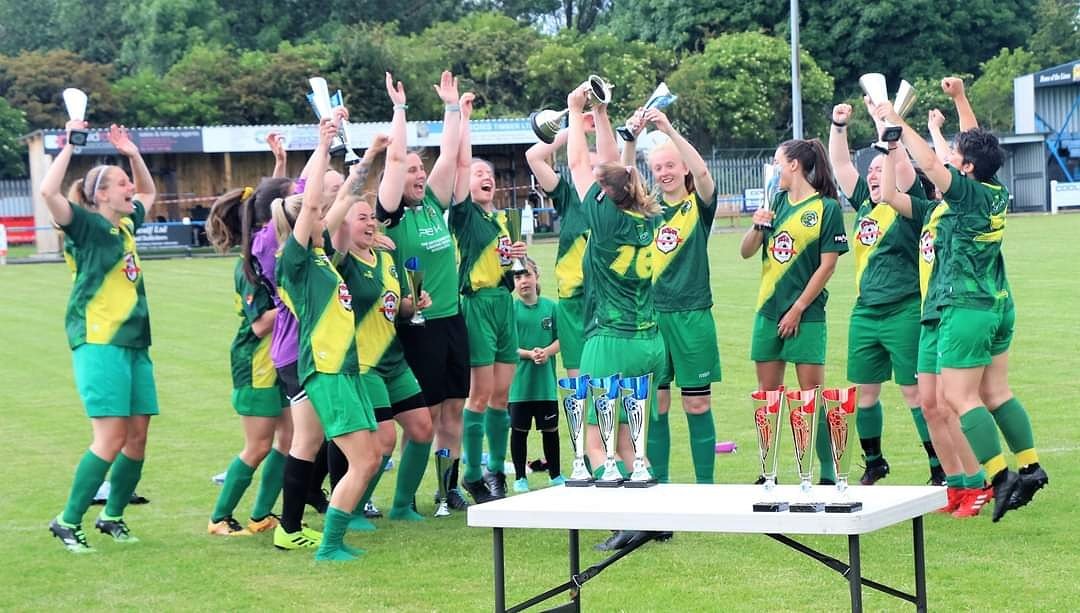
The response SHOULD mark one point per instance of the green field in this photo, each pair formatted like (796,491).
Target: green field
(1023,563)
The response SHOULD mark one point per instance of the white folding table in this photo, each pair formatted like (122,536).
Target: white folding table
(710,508)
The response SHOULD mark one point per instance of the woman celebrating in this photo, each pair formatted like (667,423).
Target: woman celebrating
(800,237)
(108,328)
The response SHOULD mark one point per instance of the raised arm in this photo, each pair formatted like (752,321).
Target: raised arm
(307,220)
(607,150)
(919,149)
(464,155)
(354,184)
(954,88)
(577,150)
(392,184)
(934,122)
(839,153)
(145,191)
(539,158)
(703,180)
(58,205)
(889,194)
(277,146)
(636,123)
(441,179)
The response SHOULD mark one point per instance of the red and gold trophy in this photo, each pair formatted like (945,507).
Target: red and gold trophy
(768,406)
(840,417)
(802,414)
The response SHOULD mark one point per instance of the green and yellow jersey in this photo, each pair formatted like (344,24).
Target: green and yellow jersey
(619,268)
(421,232)
(680,255)
(537,326)
(886,247)
(933,248)
(311,287)
(791,253)
(975,267)
(249,355)
(108,301)
(483,243)
(376,297)
(573,238)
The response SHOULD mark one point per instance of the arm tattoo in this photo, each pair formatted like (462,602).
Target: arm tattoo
(361,178)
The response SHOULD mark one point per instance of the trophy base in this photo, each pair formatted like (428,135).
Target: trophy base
(336,150)
(351,160)
(578,483)
(625,134)
(807,507)
(78,137)
(609,483)
(891,133)
(770,507)
(843,507)
(643,483)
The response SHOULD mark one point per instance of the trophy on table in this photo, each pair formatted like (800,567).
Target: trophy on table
(661,98)
(574,397)
(636,392)
(802,415)
(547,123)
(415,278)
(840,419)
(874,86)
(323,103)
(513,228)
(605,399)
(768,408)
(75,103)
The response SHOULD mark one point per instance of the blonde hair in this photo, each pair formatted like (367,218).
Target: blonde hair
(624,186)
(82,191)
(688,179)
(284,211)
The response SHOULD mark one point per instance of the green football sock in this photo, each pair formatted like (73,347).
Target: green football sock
(924,436)
(823,446)
(658,447)
(1015,425)
(623,471)
(414,460)
(702,445)
(237,480)
(956,480)
(472,444)
(89,475)
(333,537)
(273,474)
(981,433)
(122,480)
(366,496)
(977,480)
(869,422)
(497,428)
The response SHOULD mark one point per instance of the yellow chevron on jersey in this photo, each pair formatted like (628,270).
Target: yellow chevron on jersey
(334,330)
(569,270)
(870,233)
(375,329)
(927,253)
(494,258)
(111,306)
(263,374)
(788,242)
(672,234)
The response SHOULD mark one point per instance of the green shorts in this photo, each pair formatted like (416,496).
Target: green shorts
(385,392)
(571,318)
(969,338)
(603,356)
(928,346)
(883,340)
(806,347)
(340,402)
(259,401)
(489,317)
(692,357)
(115,381)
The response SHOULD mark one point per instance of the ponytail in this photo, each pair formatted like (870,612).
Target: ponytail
(284,211)
(224,226)
(255,213)
(624,186)
(83,190)
(814,162)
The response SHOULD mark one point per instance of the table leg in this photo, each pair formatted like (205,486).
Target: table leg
(854,573)
(920,563)
(575,568)
(500,578)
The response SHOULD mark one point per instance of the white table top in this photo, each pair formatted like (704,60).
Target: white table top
(706,508)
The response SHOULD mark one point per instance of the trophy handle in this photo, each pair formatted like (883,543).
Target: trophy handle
(600,89)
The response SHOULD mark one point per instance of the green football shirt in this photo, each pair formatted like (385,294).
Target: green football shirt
(791,253)
(249,355)
(311,287)
(573,238)
(886,246)
(537,327)
(376,296)
(421,232)
(108,301)
(974,267)
(933,239)
(681,257)
(619,268)
(483,243)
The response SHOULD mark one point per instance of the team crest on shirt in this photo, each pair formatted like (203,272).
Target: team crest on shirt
(250,298)
(643,234)
(667,239)
(809,219)
(783,248)
(389,306)
(926,246)
(131,267)
(546,323)
(343,296)
(869,231)
(503,249)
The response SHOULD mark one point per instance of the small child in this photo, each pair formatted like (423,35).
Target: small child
(532,393)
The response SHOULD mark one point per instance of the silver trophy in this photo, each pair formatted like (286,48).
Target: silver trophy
(415,278)
(771,175)
(875,87)
(513,229)
(605,399)
(636,392)
(574,397)
(323,104)
(547,123)
(75,103)
(661,98)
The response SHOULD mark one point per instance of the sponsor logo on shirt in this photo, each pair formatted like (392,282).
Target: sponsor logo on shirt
(783,248)
(131,267)
(667,239)
(389,306)
(343,295)
(840,239)
(926,246)
(869,231)
(546,323)
(809,219)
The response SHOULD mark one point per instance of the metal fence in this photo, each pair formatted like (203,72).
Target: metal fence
(15,198)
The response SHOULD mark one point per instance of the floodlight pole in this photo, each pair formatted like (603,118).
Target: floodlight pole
(796,88)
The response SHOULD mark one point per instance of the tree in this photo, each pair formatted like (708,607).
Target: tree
(163,30)
(1057,32)
(33,82)
(991,94)
(12,125)
(18,32)
(737,92)
(687,26)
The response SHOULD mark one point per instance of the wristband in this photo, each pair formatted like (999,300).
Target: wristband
(400,107)
(837,123)
(453,108)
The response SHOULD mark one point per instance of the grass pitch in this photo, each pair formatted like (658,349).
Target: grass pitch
(1024,563)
